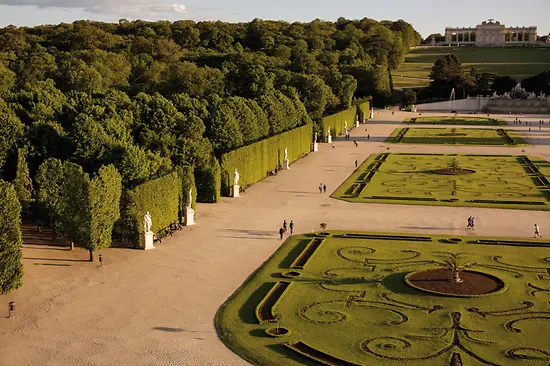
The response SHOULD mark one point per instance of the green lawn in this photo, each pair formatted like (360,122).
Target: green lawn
(347,303)
(451,120)
(499,181)
(517,62)
(456,136)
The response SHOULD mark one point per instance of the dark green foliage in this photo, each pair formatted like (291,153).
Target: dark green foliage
(11,243)
(537,83)
(159,197)
(76,213)
(254,162)
(104,201)
(11,131)
(208,181)
(23,181)
(50,182)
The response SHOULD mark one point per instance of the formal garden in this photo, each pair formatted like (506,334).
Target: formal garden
(494,181)
(456,136)
(350,298)
(455,120)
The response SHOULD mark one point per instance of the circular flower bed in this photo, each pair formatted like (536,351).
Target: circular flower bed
(449,171)
(436,281)
(278,332)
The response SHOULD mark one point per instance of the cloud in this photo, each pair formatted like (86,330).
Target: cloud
(127,8)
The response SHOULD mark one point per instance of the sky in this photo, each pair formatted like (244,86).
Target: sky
(427,16)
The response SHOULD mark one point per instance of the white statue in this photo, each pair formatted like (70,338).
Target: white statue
(236,177)
(189,204)
(346,126)
(147,222)
(315,139)
(286,154)
(329,135)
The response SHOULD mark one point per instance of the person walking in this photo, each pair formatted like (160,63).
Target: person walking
(356,143)
(537,231)
(321,188)
(469,223)
(285,226)
(324,188)
(333,146)
(281,232)
(368,137)
(291,227)
(356,163)
(473,223)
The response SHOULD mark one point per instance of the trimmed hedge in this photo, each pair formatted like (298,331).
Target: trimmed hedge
(208,182)
(186,175)
(363,110)
(158,196)
(255,161)
(336,122)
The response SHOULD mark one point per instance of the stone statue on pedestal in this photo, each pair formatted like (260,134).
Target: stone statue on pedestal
(236,177)
(190,203)
(147,222)
(315,138)
(148,235)
(286,154)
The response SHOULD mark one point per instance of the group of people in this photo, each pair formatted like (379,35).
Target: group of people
(285,228)
(322,188)
(471,223)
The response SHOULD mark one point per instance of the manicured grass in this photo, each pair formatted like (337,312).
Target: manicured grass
(451,120)
(512,182)
(350,304)
(456,136)
(517,62)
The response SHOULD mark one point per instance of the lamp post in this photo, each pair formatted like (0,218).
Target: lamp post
(11,307)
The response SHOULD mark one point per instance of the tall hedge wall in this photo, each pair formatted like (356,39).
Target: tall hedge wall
(159,196)
(336,122)
(253,162)
(186,175)
(208,182)
(363,109)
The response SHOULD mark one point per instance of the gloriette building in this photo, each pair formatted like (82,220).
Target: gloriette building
(491,33)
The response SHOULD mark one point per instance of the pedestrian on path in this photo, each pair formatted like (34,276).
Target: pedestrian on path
(334,147)
(356,163)
(281,232)
(325,188)
(321,188)
(473,223)
(469,223)
(285,226)
(356,143)
(368,137)
(537,231)
(291,227)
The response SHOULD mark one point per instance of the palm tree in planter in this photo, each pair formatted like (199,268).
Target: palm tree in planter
(456,264)
(454,165)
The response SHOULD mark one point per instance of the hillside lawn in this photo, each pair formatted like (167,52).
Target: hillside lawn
(461,136)
(517,62)
(497,181)
(347,303)
(452,120)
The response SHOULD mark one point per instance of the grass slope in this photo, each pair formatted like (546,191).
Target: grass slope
(451,120)
(517,62)
(350,304)
(499,181)
(462,136)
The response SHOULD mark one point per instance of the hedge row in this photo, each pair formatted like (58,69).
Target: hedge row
(159,196)
(186,175)
(254,162)
(363,110)
(337,122)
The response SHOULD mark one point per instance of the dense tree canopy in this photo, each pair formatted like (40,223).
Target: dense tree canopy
(147,97)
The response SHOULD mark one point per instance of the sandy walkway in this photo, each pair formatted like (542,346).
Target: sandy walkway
(157,307)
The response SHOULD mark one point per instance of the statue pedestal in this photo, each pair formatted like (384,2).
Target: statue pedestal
(148,241)
(329,139)
(190,217)
(315,146)
(236,191)
(286,164)
(371,114)
(357,124)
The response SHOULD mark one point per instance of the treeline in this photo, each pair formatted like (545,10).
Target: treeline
(447,74)
(149,96)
